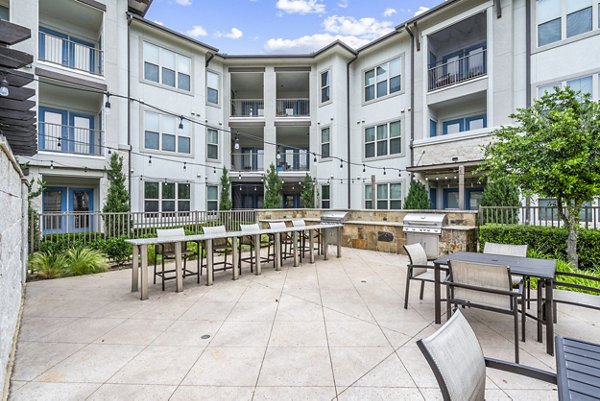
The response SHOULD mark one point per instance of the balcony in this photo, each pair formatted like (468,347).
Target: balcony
(69,139)
(293,160)
(247,108)
(458,69)
(249,160)
(293,108)
(70,52)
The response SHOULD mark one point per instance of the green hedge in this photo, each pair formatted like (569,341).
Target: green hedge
(546,240)
(115,248)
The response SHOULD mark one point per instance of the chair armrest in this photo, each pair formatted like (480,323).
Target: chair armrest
(420,266)
(539,374)
(579,275)
(450,283)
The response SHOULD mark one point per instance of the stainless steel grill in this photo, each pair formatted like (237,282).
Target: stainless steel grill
(333,218)
(426,229)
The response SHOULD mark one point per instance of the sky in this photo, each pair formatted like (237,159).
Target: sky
(284,26)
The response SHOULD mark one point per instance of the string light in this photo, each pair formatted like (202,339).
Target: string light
(51,165)
(315,159)
(364,168)
(236,146)
(384,171)
(184,166)
(149,159)
(107,104)
(180,123)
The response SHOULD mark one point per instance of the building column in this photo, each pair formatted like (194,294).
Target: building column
(461,187)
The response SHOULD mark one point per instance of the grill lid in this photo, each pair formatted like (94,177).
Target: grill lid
(334,216)
(425,222)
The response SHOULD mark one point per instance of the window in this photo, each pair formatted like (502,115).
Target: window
(584,85)
(579,17)
(212,197)
(542,89)
(161,132)
(383,140)
(166,197)
(432,128)
(387,196)
(464,124)
(212,144)
(166,67)
(383,80)
(325,196)
(325,86)
(549,21)
(576,14)
(212,87)
(325,143)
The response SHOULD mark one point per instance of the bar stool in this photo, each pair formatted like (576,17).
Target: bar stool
(220,245)
(287,240)
(167,251)
(248,240)
(305,236)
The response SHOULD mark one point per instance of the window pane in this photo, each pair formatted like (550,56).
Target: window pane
(582,84)
(368,189)
(370,150)
(325,79)
(381,148)
(325,150)
(395,84)
(212,80)
(183,206)
(396,204)
(168,190)
(370,134)
(381,131)
(382,73)
(168,142)
(382,88)
(183,144)
(395,146)
(213,136)
(370,93)
(395,67)
(549,32)
(168,77)
(394,129)
(579,22)
(150,206)
(325,192)
(168,206)
(547,10)
(576,5)
(382,191)
(183,191)
(183,81)
(212,205)
(395,191)
(169,124)
(368,204)
(212,152)
(183,65)
(369,77)
(452,128)
(325,135)
(476,124)
(151,121)
(212,192)
(151,53)
(213,96)
(382,204)
(151,140)
(151,190)
(151,72)
(325,94)
(547,87)
(167,59)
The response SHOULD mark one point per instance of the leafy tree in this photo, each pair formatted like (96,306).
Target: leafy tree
(225,202)
(273,187)
(501,192)
(117,199)
(417,197)
(308,194)
(553,151)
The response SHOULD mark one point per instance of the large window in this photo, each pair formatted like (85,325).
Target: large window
(325,86)
(212,87)
(583,84)
(383,80)
(212,197)
(558,20)
(161,132)
(383,140)
(325,196)
(464,124)
(166,67)
(387,196)
(212,144)
(325,143)
(166,197)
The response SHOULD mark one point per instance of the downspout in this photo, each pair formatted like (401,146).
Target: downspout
(129,20)
(412,92)
(210,57)
(349,178)
(528,52)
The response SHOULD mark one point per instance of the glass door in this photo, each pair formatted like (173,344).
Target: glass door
(81,205)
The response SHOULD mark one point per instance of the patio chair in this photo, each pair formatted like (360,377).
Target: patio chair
(167,252)
(219,245)
(305,237)
(511,250)
(418,269)
(457,361)
(248,240)
(488,287)
(287,240)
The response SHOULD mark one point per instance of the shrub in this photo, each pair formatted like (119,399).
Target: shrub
(85,261)
(417,197)
(116,249)
(47,264)
(501,192)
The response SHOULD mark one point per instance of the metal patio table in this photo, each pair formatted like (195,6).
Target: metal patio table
(544,269)
(577,369)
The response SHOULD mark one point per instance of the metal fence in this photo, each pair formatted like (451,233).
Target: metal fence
(548,216)
(70,53)
(293,107)
(85,227)
(458,70)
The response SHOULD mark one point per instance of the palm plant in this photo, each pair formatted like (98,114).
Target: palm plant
(85,261)
(47,264)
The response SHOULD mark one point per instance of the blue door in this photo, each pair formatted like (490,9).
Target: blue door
(57,201)
(81,203)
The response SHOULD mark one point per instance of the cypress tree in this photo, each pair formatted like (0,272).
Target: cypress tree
(417,197)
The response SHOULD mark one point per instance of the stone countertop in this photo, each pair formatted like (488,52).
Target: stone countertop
(374,223)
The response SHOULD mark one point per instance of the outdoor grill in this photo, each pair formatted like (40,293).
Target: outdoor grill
(333,218)
(426,229)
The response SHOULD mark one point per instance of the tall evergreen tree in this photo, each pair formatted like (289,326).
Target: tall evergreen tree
(225,202)
(308,194)
(501,192)
(417,197)
(273,187)
(117,199)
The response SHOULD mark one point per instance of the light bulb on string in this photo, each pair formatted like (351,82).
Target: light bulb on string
(51,165)
(384,173)
(364,168)
(315,159)
(107,104)
(236,146)
(184,166)
(214,170)
(180,124)
(149,159)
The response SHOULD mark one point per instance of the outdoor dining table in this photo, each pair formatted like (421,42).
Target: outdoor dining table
(577,369)
(140,251)
(544,269)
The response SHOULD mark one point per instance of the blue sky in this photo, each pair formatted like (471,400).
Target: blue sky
(283,26)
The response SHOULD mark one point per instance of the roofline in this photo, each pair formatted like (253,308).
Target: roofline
(426,13)
(172,32)
(297,56)
(380,39)
(148,3)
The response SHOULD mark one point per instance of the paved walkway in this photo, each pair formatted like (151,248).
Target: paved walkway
(334,330)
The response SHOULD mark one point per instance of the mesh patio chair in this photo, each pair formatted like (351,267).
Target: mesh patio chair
(511,250)
(248,240)
(488,287)
(457,361)
(287,240)
(167,251)
(220,245)
(305,237)
(418,269)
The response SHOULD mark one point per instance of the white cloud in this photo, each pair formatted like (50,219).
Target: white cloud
(355,32)
(301,6)
(184,2)
(343,4)
(233,34)
(421,10)
(389,12)
(196,31)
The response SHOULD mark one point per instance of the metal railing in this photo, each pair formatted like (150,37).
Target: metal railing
(459,70)
(85,227)
(297,161)
(548,216)
(71,54)
(69,139)
(247,161)
(292,107)
(247,108)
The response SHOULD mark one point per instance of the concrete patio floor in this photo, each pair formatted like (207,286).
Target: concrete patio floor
(334,330)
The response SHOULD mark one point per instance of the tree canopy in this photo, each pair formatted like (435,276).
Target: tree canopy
(273,187)
(417,197)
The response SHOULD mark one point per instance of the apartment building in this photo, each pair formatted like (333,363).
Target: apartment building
(417,103)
